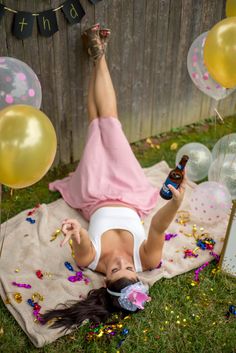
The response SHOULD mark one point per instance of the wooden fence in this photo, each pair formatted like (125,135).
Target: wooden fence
(147,59)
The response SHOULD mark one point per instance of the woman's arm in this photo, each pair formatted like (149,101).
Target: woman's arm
(82,246)
(153,246)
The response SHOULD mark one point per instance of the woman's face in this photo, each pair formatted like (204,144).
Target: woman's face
(120,267)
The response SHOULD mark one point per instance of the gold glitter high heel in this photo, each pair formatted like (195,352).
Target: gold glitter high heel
(93,43)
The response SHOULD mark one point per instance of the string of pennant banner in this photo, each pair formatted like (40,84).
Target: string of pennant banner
(47,22)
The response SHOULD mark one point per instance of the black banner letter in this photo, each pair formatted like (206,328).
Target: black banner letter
(23,24)
(47,23)
(2,10)
(94,1)
(73,11)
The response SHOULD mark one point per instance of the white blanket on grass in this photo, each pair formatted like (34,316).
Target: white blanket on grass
(27,247)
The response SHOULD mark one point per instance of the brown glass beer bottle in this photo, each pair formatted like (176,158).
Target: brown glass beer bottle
(174,178)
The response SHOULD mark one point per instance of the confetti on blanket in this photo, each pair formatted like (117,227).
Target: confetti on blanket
(32,256)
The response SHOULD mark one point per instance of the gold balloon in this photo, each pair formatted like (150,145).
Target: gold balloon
(230,8)
(27,145)
(220,52)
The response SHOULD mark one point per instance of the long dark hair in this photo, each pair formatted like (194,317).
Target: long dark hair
(97,307)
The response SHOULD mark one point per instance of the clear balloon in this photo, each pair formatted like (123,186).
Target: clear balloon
(27,145)
(230,8)
(223,170)
(225,145)
(220,51)
(210,202)
(18,84)
(199,73)
(199,160)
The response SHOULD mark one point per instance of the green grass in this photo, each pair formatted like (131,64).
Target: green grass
(180,318)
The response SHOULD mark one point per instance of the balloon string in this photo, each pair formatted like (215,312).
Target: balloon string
(2,238)
(0,216)
(220,116)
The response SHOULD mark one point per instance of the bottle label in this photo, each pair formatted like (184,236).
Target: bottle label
(165,188)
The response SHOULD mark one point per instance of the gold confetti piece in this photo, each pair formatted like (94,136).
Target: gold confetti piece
(178,322)
(173,146)
(193,283)
(72,338)
(1,331)
(172,312)
(17,270)
(184,320)
(18,297)
(215,270)
(152,145)
(148,140)
(158,147)
(195,233)
(48,274)
(166,322)
(144,331)
(38,296)
(55,234)
(183,217)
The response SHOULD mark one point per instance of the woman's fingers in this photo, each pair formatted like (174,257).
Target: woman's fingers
(66,239)
(174,191)
(72,222)
(66,227)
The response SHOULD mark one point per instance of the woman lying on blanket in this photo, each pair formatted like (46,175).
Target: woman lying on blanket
(112,192)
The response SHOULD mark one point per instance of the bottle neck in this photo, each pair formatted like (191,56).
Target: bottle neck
(182,164)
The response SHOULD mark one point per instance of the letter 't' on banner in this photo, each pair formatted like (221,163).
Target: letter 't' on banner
(47,23)
(23,24)
(73,11)
(2,10)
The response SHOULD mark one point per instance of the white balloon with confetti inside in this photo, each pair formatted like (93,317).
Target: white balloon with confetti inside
(210,202)
(223,170)
(199,162)
(225,145)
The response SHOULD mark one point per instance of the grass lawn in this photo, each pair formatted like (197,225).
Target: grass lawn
(181,318)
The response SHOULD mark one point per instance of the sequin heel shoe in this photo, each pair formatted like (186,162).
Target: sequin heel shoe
(93,43)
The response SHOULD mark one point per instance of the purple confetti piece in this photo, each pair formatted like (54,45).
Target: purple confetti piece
(168,236)
(22,285)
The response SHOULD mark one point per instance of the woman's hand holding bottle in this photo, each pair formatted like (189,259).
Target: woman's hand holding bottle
(178,194)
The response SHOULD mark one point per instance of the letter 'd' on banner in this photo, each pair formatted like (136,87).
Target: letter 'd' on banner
(73,11)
